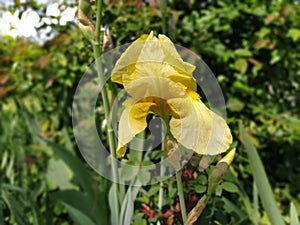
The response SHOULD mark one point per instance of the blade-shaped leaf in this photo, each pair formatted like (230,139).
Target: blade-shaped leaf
(76,200)
(261,180)
(294,215)
(113,204)
(16,208)
(78,217)
(127,208)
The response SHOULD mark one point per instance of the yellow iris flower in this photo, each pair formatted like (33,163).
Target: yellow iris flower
(160,82)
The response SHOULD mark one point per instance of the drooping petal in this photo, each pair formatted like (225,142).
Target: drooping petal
(132,122)
(196,127)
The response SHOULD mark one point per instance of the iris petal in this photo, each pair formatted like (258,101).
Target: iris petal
(126,63)
(132,122)
(196,127)
(172,56)
(152,56)
(155,86)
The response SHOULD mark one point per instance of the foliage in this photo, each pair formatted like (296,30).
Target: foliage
(253,49)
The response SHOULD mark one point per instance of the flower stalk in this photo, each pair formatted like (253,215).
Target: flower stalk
(93,34)
(97,52)
(181,196)
(161,188)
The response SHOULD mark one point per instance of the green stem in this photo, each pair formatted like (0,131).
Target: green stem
(161,184)
(97,52)
(162,172)
(98,25)
(181,195)
(161,189)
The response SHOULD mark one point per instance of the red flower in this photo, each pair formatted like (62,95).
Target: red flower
(166,214)
(176,205)
(187,174)
(149,211)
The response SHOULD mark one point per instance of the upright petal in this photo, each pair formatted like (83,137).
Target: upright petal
(132,122)
(151,51)
(126,63)
(196,127)
(172,56)
(152,56)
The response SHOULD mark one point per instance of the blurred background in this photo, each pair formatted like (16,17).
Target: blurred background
(253,48)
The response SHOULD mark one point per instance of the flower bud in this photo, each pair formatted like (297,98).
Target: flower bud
(219,171)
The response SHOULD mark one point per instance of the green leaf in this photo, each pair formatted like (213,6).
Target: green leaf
(243,53)
(113,204)
(141,222)
(138,219)
(241,65)
(15,207)
(276,57)
(144,177)
(235,105)
(261,180)
(80,202)
(229,186)
(231,208)
(293,215)
(153,190)
(13,188)
(127,208)
(202,179)
(82,174)
(200,189)
(128,172)
(84,177)
(294,33)
(77,216)
(172,191)
(60,174)
(239,86)
(257,68)
(256,214)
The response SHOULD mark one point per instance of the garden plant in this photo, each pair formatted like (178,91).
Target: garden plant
(152,112)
